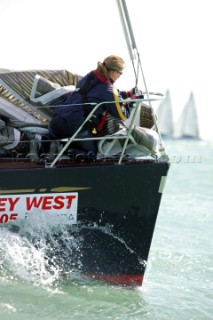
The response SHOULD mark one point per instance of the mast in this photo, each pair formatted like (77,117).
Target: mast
(130,39)
(135,57)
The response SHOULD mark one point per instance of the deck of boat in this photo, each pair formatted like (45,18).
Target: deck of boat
(24,163)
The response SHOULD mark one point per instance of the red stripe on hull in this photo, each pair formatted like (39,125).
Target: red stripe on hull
(132,280)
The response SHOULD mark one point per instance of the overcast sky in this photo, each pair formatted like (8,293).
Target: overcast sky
(173,38)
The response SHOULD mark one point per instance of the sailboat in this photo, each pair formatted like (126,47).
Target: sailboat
(187,126)
(96,216)
(165,116)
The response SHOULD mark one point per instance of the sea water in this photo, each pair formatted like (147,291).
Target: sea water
(178,283)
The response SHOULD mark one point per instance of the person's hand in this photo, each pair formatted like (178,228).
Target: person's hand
(136,93)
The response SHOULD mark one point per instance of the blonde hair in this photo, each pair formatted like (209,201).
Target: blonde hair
(111,63)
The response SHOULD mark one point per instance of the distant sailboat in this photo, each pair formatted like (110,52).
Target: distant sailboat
(165,116)
(187,125)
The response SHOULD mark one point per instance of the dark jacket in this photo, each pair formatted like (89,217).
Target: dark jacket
(98,89)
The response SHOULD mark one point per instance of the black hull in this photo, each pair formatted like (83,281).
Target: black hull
(116,216)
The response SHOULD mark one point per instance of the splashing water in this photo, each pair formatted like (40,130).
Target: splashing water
(44,254)
(21,258)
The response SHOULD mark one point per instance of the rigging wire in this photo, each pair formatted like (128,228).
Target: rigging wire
(135,57)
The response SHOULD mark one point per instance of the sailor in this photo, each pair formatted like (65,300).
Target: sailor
(95,87)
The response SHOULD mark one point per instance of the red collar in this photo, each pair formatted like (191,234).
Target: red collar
(101,77)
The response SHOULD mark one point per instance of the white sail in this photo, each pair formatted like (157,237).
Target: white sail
(165,116)
(187,124)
